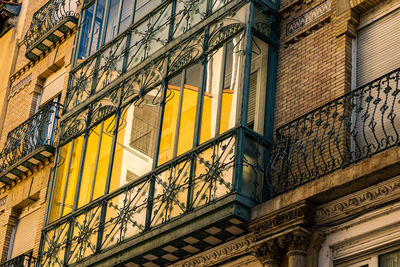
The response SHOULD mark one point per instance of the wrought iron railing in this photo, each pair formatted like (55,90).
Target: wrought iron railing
(32,134)
(193,180)
(25,260)
(49,16)
(348,129)
(167,22)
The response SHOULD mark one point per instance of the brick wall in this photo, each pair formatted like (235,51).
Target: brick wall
(314,64)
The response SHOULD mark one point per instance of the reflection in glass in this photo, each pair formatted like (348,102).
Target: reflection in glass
(98,25)
(136,139)
(61,174)
(188,105)
(126,15)
(167,142)
(85,32)
(112,21)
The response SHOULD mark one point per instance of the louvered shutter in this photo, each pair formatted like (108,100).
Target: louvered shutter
(53,85)
(25,234)
(377,55)
(378,48)
(252,99)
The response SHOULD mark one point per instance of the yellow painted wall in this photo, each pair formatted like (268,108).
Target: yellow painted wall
(7,47)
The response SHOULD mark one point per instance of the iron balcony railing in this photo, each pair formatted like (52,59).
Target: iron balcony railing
(348,129)
(196,179)
(32,134)
(48,17)
(25,260)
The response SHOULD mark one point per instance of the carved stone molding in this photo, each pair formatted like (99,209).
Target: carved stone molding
(269,252)
(221,253)
(298,241)
(359,201)
(301,212)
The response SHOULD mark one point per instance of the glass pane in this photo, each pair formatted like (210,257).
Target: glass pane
(85,32)
(61,174)
(89,166)
(211,97)
(112,22)
(168,132)
(258,86)
(189,107)
(126,215)
(390,260)
(73,175)
(126,15)
(136,140)
(143,7)
(104,157)
(229,92)
(98,25)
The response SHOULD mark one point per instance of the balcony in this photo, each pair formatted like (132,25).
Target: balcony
(338,134)
(25,260)
(141,43)
(30,144)
(50,24)
(200,199)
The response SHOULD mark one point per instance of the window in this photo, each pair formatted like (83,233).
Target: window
(391,259)
(24,233)
(202,101)
(105,19)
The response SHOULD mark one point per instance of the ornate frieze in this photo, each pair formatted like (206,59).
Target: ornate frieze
(298,213)
(374,195)
(221,253)
(308,18)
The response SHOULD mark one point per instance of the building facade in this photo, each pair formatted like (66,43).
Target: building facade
(36,47)
(202,133)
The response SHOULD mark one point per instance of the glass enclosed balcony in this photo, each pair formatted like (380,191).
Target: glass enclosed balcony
(170,156)
(50,24)
(30,144)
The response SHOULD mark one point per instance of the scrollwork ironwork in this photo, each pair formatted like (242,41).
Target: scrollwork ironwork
(47,17)
(348,129)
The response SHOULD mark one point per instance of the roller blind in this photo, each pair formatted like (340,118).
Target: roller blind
(378,48)
(252,98)
(25,234)
(53,85)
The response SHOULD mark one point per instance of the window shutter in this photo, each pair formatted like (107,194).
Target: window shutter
(377,46)
(25,234)
(53,85)
(252,98)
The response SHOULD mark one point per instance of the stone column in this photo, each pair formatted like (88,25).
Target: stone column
(297,244)
(269,253)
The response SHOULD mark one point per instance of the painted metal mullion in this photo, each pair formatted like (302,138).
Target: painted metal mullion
(121,4)
(243,119)
(109,174)
(66,178)
(82,160)
(96,163)
(53,178)
(172,22)
(269,113)
(197,131)
(178,120)
(104,24)
(78,39)
(221,88)
(133,12)
(92,28)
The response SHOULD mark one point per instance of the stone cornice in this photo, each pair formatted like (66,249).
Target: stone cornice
(221,253)
(299,213)
(359,201)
